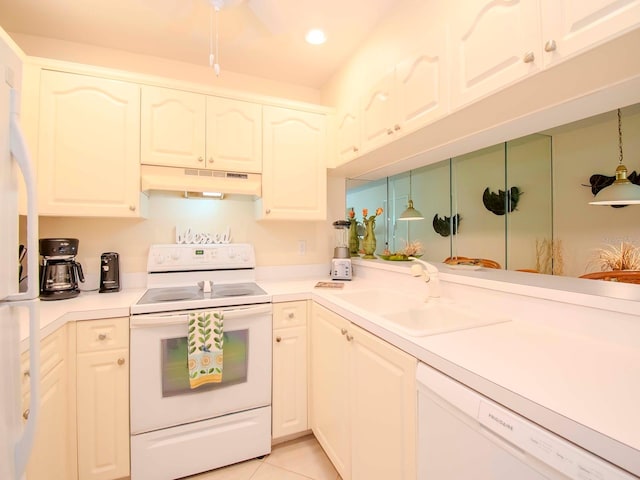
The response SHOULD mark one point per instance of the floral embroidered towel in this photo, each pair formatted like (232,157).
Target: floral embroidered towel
(205,347)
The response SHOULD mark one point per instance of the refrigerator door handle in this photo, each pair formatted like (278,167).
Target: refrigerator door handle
(18,147)
(25,444)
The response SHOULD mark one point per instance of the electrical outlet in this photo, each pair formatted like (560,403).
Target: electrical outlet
(302,247)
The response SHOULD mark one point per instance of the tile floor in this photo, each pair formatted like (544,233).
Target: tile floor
(300,459)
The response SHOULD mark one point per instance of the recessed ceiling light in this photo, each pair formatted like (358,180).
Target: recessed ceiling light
(315,37)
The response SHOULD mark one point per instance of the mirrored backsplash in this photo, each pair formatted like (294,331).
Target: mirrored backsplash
(522,204)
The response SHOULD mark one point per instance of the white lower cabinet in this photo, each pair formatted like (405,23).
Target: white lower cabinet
(289,403)
(103,399)
(363,400)
(53,455)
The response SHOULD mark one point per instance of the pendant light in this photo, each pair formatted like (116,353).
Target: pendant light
(214,58)
(621,191)
(410,213)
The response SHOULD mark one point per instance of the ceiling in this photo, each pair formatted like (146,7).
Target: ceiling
(263,38)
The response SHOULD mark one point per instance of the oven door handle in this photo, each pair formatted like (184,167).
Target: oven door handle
(146,321)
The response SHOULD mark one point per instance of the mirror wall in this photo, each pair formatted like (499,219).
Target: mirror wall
(523,203)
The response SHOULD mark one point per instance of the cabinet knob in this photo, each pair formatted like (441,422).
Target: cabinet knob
(210,159)
(550,46)
(200,159)
(389,131)
(268,211)
(291,315)
(26,374)
(102,336)
(343,331)
(349,337)
(529,57)
(25,414)
(132,208)
(396,127)
(121,361)
(278,339)
(355,149)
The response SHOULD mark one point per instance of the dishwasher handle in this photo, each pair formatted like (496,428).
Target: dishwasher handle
(178,318)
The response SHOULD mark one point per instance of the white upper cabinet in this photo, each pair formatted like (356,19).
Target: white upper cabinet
(88,146)
(234,135)
(570,27)
(294,165)
(348,134)
(413,94)
(187,129)
(493,44)
(172,128)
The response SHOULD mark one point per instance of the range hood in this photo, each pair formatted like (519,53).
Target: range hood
(179,179)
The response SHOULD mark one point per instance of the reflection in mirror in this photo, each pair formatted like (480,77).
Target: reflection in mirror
(545,225)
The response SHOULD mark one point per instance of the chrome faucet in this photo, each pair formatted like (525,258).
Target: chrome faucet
(430,274)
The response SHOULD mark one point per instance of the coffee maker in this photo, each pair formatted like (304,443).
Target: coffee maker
(341,262)
(60,274)
(109,272)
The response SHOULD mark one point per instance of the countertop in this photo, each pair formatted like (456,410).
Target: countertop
(578,384)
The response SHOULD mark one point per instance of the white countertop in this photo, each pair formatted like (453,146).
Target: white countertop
(583,386)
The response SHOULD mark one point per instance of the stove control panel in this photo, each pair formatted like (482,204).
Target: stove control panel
(171,258)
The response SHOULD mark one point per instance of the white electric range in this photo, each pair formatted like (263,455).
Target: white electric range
(177,430)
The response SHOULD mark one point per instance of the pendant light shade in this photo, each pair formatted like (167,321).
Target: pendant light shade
(410,213)
(621,191)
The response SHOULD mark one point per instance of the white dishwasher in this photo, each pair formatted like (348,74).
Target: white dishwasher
(462,434)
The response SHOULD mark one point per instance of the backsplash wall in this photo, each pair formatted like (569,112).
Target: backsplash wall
(275,242)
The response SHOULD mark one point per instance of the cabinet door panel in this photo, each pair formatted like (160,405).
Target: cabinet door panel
(489,42)
(172,128)
(50,455)
(383,402)
(330,416)
(234,135)
(422,86)
(348,134)
(575,26)
(378,114)
(289,381)
(294,177)
(103,415)
(88,161)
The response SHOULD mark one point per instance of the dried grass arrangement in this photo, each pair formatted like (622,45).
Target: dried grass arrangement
(549,257)
(625,257)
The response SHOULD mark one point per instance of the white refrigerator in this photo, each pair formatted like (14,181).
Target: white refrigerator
(19,316)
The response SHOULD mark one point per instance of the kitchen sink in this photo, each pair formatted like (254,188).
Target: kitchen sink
(379,301)
(412,315)
(434,318)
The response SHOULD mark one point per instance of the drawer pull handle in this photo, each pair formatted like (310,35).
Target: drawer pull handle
(121,361)
(291,315)
(102,336)
(26,374)
(343,331)
(25,414)
(349,337)
(278,339)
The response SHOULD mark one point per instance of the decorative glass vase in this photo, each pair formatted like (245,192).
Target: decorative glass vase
(354,241)
(369,240)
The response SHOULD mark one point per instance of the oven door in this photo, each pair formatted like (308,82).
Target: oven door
(160,392)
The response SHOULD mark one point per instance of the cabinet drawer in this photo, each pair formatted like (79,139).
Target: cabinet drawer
(105,334)
(52,352)
(290,314)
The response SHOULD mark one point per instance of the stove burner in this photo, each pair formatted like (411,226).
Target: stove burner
(232,292)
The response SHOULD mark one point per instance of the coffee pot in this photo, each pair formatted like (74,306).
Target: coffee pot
(60,274)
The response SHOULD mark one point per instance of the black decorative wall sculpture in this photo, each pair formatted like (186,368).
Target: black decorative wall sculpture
(444,226)
(497,203)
